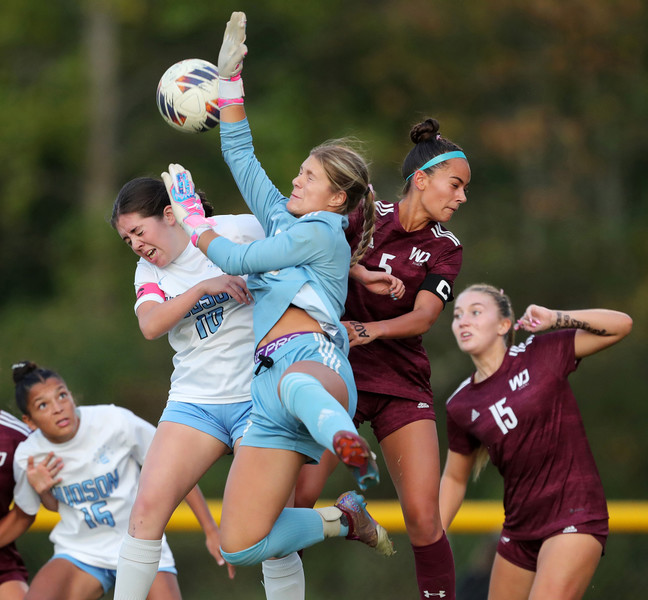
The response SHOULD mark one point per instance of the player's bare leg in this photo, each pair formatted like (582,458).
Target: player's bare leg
(508,581)
(165,587)
(169,474)
(13,590)
(59,579)
(566,565)
(312,479)
(259,485)
(412,457)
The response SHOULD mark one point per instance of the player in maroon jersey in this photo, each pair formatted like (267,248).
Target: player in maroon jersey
(519,408)
(14,522)
(13,574)
(390,365)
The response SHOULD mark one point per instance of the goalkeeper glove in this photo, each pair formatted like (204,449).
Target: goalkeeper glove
(185,203)
(230,62)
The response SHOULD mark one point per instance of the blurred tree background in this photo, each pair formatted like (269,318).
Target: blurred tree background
(549,99)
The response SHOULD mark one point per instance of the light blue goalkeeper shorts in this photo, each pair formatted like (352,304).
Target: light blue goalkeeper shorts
(270,424)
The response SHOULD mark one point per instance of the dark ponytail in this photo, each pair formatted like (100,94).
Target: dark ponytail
(428,143)
(27,374)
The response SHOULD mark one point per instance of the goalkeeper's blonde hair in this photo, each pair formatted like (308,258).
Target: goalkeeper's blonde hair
(348,172)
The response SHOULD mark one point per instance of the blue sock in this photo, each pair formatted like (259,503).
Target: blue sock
(296,528)
(305,398)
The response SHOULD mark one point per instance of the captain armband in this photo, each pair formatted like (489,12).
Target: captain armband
(150,288)
(439,286)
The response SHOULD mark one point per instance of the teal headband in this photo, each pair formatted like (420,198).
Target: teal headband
(439,159)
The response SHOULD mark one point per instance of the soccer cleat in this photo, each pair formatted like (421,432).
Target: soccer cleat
(355,453)
(362,526)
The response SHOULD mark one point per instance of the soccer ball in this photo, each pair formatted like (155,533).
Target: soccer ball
(187,95)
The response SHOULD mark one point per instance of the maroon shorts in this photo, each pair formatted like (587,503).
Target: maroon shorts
(524,553)
(12,567)
(389,413)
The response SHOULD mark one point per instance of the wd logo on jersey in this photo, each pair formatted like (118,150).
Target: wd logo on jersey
(419,256)
(519,380)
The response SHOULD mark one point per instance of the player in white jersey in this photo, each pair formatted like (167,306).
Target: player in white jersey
(100,450)
(209,323)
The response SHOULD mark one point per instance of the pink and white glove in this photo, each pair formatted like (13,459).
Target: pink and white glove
(230,62)
(185,203)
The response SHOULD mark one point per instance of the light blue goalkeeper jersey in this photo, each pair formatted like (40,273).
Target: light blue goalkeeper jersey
(303,261)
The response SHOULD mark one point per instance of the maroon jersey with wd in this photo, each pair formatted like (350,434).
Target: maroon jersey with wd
(12,432)
(527,417)
(430,259)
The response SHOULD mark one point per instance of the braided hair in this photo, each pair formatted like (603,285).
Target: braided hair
(347,171)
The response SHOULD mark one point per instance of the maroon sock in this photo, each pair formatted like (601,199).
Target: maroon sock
(435,572)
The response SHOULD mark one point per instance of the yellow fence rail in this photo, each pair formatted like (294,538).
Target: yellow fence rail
(474,517)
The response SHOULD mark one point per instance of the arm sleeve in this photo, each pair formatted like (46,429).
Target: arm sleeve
(302,244)
(250,229)
(241,229)
(448,263)
(442,274)
(459,440)
(439,286)
(146,288)
(260,194)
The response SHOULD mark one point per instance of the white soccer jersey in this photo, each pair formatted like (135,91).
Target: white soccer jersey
(214,342)
(101,468)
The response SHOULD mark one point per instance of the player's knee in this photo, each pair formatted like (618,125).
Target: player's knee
(147,517)
(422,522)
(249,556)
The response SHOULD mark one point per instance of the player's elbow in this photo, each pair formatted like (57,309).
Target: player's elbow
(423,323)
(149,332)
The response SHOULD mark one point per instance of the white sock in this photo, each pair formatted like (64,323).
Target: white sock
(283,578)
(136,568)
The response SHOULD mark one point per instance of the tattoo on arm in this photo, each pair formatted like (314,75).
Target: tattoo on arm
(564,321)
(359,328)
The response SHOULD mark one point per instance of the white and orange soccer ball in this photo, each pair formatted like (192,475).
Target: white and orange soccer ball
(187,96)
